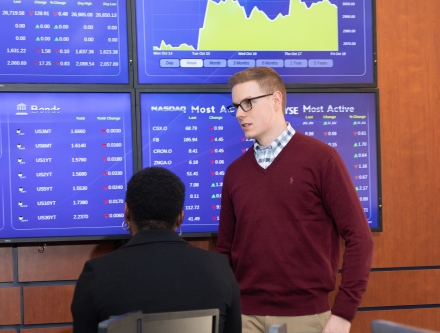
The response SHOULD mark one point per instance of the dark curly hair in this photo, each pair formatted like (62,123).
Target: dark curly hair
(155,198)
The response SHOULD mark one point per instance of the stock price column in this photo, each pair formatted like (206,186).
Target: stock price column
(196,139)
(64,42)
(345,122)
(362,160)
(70,162)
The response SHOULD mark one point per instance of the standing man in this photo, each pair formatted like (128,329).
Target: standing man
(285,204)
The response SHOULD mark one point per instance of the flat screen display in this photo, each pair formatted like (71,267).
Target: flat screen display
(194,136)
(64,41)
(65,162)
(309,42)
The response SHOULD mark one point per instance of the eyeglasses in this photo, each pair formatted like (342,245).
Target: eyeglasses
(246,104)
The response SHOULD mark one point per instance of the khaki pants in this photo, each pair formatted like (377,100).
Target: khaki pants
(299,324)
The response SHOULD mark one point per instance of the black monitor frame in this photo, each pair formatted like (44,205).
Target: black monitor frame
(288,90)
(88,86)
(137,144)
(202,87)
(134,123)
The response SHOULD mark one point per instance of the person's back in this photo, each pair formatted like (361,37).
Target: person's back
(156,271)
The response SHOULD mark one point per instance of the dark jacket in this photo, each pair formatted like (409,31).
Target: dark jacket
(156,271)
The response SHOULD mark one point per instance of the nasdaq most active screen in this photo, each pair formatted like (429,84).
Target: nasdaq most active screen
(206,41)
(194,136)
(65,162)
(64,42)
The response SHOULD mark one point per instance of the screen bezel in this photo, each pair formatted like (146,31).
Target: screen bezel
(137,147)
(86,86)
(289,91)
(182,86)
(134,122)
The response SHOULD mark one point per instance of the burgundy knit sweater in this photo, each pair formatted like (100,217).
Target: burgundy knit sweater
(281,229)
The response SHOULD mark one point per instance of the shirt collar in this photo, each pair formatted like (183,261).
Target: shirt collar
(153,236)
(282,139)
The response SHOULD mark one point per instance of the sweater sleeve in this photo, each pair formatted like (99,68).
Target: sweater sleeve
(342,202)
(227,220)
(85,316)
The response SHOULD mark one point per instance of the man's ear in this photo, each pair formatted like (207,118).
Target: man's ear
(278,100)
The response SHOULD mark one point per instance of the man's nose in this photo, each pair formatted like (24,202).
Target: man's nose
(239,113)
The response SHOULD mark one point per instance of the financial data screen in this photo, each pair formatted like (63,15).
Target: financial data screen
(48,41)
(206,41)
(195,137)
(65,162)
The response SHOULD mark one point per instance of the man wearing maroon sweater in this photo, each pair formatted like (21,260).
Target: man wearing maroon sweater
(285,204)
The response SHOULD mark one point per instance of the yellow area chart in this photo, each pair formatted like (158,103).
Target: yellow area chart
(227,28)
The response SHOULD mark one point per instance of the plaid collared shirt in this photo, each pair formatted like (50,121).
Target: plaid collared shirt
(266,155)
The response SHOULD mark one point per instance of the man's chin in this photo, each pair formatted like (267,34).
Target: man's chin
(247,134)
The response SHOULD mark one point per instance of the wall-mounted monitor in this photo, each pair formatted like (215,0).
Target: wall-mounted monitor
(309,42)
(65,159)
(193,135)
(64,42)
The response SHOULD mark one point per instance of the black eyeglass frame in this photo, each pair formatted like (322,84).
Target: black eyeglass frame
(249,100)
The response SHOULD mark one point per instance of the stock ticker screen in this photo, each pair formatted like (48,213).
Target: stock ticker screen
(194,136)
(65,162)
(48,41)
(206,41)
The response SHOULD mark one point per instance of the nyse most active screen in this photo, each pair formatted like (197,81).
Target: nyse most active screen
(195,137)
(64,42)
(206,41)
(65,162)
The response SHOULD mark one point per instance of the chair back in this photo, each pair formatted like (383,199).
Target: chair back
(126,323)
(198,321)
(384,326)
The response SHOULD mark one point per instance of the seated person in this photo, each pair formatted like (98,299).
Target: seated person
(157,270)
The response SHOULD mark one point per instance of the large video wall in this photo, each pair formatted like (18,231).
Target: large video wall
(91,92)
